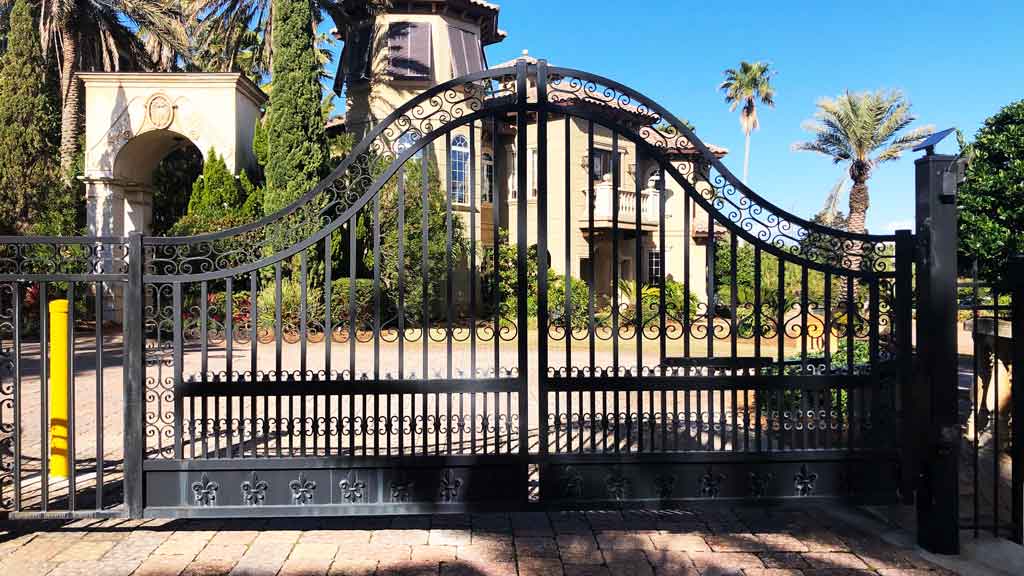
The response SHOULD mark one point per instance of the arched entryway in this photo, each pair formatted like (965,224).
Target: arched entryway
(135,121)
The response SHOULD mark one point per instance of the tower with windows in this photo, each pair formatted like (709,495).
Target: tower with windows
(392,55)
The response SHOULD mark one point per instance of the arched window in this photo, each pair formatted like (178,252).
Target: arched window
(487,191)
(457,168)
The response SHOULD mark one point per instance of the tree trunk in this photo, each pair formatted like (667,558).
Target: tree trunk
(855,223)
(746,158)
(858,206)
(70,103)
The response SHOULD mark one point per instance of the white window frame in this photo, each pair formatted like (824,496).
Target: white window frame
(487,178)
(653,255)
(458,169)
(513,180)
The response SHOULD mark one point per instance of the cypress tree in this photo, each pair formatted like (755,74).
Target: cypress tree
(30,189)
(297,145)
(216,191)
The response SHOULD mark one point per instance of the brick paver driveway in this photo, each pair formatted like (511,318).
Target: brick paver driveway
(699,541)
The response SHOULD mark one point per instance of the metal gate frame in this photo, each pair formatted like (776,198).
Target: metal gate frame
(803,446)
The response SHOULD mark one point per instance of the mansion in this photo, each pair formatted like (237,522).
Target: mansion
(391,57)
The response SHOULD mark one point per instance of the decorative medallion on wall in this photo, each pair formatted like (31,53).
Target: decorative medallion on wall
(804,481)
(205,491)
(160,111)
(450,485)
(353,490)
(254,491)
(710,483)
(302,490)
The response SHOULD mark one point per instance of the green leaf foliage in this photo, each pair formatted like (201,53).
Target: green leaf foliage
(991,198)
(30,189)
(297,146)
(173,178)
(412,254)
(219,200)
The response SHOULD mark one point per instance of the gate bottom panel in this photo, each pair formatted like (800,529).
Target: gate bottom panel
(658,480)
(332,487)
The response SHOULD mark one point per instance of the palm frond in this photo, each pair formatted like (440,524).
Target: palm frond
(904,143)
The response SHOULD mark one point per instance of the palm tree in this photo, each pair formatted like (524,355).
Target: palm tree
(235,35)
(864,129)
(748,85)
(107,35)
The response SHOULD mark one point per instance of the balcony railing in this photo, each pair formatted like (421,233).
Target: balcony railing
(603,206)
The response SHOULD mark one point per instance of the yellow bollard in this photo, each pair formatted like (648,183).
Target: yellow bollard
(58,389)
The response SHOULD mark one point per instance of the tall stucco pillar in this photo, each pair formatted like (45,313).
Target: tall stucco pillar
(105,216)
(105,207)
(138,209)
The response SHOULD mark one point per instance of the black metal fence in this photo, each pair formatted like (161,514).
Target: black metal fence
(991,492)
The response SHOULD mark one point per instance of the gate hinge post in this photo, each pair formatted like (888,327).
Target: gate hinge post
(135,372)
(936,387)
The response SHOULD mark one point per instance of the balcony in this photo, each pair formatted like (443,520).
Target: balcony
(603,208)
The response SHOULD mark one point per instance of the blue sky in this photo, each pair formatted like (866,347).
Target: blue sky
(958,62)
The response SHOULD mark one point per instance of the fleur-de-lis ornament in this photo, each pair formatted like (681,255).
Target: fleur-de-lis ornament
(617,486)
(450,485)
(804,481)
(352,489)
(664,485)
(302,490)
(254,491)
(710,483)
(572,483)
(759,484)
(205,491)
(401,490)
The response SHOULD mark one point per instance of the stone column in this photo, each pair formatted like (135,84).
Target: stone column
(105,209)
(105,216)
(138,208)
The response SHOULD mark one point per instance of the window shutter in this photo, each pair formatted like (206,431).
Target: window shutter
(458,51)
(409,53)
(474,54)
(467,56)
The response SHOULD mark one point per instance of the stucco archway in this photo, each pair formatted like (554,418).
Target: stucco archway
(132,121)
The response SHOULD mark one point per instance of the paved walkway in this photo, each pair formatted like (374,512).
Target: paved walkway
(701,541)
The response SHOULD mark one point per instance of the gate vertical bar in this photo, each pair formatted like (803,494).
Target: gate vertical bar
(521,257)
(904,347)
(542,256)
(936,395)
(135,369)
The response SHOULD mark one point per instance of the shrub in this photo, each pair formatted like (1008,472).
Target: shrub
(579,299)
(650,301)
(291,304)
(675,292)
(991,198)
(364,301)
(412,256)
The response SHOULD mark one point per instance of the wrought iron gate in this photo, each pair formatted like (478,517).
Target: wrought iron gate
(457,318)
